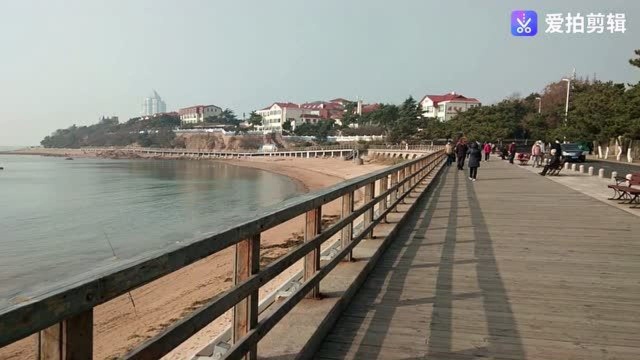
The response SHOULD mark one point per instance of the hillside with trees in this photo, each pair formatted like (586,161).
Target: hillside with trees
(153,132)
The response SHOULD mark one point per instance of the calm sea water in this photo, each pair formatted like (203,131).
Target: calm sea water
(57,217)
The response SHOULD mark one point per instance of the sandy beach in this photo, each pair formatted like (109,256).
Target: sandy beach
(118,327)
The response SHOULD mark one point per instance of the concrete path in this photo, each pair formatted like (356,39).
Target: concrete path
(589,185)
(513,266)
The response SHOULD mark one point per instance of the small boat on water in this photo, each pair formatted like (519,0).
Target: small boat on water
(1,168)
(69,158)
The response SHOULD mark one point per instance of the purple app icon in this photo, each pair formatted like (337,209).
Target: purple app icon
(524,23)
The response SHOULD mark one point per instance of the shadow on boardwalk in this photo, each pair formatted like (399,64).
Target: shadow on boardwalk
(402,314)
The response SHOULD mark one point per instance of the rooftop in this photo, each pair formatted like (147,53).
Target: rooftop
(449,97)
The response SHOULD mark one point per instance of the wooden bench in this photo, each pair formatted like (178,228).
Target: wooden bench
(523,158)
(555,171)
(626,192)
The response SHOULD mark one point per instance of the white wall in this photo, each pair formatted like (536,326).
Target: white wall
(445,110)
(452,108)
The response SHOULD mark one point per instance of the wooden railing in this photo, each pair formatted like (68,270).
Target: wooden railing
(407,147)
(180,150)
(63,318)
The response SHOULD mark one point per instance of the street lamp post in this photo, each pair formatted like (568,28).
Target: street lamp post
(539,104)
(566,106)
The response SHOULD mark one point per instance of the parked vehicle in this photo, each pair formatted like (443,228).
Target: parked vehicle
(574,153)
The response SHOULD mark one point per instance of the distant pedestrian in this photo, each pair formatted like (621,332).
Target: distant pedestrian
(448,150)
(512,152)
(461,153)
(553,162)
(542,146)
(557,147)
(504,152)
(487,151)
(475,155)
(536,154)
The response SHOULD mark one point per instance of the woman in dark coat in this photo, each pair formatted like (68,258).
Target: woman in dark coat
(461,153)
(474,161)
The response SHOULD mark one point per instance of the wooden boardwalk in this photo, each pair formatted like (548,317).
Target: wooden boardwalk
(513,266)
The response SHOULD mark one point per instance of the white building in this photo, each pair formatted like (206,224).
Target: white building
(445,107)
(153,105)
(197,114)
(274,116)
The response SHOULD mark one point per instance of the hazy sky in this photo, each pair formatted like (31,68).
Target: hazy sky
(66,62)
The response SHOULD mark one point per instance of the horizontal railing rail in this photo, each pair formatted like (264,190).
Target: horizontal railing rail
(407,147)
(68,310)
(212,151)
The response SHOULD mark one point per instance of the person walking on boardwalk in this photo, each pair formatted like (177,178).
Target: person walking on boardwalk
(487,151)
(448,149)
(461,153)
(536,154)
(512,152)
(475,155)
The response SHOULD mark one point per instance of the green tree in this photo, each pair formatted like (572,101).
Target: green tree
(636,62)
(408,121)
(255,119)
(597,112)
(286,126)
(229,117)
(349,115)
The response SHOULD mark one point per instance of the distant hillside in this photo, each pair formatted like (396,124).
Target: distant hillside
(153,132)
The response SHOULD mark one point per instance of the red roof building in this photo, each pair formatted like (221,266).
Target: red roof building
(197,113)
(311,112)
(444,107)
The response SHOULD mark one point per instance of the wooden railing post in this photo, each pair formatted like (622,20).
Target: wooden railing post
(394,182)
(312,228)
(245,313)
(412,171)
(68,340)
(369,192)
(384,186)
(402,175)
(347,232)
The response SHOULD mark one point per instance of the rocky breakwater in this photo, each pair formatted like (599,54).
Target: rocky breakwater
(118,154)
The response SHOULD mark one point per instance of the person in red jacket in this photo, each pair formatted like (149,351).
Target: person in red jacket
(487,151)
(512,151)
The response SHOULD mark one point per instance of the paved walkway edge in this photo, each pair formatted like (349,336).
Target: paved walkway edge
(590,185)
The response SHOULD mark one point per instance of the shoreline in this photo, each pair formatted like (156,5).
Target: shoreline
(120,327)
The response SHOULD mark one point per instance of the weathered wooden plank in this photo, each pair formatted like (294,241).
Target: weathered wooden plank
(394,182)
(384,186)
(245,313)
(69,340)
(347,231)
(312,228)
(369,193)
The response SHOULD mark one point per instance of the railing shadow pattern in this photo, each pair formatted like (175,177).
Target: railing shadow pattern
(375,313)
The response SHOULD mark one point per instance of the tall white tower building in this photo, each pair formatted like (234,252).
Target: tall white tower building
(153,105)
